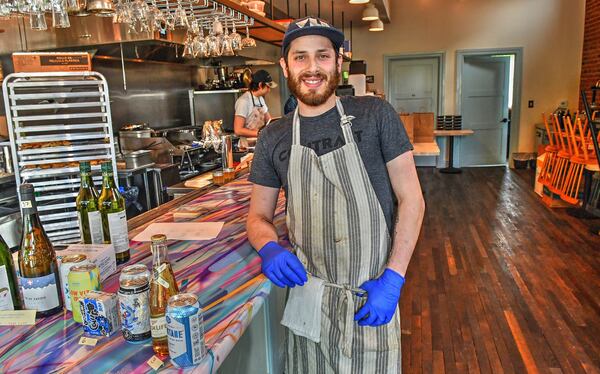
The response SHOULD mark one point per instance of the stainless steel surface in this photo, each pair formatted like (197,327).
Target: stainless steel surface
(226,151)
(156,93)
(56,120)
(136,159)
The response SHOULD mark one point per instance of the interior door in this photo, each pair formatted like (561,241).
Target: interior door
(413,84)
(484,107)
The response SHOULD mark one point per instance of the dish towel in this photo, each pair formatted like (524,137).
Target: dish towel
(302,312)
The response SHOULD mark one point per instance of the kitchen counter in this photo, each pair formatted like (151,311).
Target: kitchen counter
(224,272)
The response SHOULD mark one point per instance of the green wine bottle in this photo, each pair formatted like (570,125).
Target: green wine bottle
(38,270)
(114,219)
(9,294)
(88,211)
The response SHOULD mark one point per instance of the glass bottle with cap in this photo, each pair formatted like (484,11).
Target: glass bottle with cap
(38,269)
(88,211)
(162,286)
(114,218)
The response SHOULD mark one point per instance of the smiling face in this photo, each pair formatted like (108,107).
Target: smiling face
(312,69)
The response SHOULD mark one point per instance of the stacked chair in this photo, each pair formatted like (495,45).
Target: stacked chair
(570,152)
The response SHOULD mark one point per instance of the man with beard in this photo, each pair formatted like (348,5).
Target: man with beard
(354,212)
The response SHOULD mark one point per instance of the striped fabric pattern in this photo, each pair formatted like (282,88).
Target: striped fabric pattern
(338,231)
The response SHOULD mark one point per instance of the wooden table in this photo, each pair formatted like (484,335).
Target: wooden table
(451,134)
(426,149)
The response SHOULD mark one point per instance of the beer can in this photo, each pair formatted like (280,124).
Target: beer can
(134,305)
(100,313)
(82,279)
(66,263)
(185,330)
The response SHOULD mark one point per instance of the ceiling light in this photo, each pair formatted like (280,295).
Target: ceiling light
(358,1)
(376,25)
(370,13)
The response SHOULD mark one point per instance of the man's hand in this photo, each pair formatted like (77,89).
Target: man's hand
(281,266)
(383,294)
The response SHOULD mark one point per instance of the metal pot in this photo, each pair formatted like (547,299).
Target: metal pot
(145,133)
(77,8)
(101,7)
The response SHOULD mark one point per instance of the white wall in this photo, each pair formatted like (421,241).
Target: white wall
(549,31)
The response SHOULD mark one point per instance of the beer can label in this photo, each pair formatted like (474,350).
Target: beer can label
(135,314)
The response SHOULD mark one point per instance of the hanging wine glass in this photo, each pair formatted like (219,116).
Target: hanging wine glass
(181,20)
(236,39)
(214,44)
(200,46)
(37,17)
(248,42)
(5,9)
(188,49)
(226,49)
(60,17)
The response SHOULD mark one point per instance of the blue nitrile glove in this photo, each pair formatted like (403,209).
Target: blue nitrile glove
(281,266)
(383,294)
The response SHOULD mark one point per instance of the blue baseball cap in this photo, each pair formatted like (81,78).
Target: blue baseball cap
(312,26)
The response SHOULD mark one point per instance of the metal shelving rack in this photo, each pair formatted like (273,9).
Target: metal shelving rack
(56,120)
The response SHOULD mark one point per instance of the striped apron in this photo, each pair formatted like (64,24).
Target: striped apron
(338,231)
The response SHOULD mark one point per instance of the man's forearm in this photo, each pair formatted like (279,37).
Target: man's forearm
(406,232)
(260,232)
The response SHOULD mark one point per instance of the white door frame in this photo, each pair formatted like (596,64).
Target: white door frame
(440,56)
(516,108)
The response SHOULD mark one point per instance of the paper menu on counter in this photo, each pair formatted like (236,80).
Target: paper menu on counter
(181,231)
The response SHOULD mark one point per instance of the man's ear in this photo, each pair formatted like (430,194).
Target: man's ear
(284,67)
(340,60)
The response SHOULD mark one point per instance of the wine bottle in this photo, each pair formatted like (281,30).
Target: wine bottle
(114,218)
(9,294)
(88,211)
(40,278)
(162,287)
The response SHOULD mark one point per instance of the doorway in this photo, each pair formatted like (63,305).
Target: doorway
(413,83)
(488,96)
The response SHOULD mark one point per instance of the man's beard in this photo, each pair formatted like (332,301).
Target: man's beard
(312,98)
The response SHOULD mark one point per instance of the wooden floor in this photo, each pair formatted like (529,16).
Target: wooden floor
(498,282)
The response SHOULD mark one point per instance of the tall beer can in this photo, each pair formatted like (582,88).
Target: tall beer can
(82,279)
(134,307)
(185,330)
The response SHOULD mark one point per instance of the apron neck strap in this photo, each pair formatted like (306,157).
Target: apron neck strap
(345,123)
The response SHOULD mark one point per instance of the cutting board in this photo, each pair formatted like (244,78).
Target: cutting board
(199,181)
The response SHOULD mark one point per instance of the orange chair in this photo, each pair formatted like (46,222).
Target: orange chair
(583,157)
(559,172)
(550,152)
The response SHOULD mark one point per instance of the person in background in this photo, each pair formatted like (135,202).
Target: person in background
(251,111)
(290,104)
(354,212)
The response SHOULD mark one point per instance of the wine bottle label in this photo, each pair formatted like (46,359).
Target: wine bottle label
(26,204)
(40,293)
(159,327)
(6,302)
(95,221)
(117,226)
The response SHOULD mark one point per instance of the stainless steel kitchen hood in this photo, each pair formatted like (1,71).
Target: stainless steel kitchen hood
(103,39)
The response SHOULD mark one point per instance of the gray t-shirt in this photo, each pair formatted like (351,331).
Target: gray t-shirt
(377,130)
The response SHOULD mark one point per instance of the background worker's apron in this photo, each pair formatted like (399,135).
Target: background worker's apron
(338,231)
(254,121)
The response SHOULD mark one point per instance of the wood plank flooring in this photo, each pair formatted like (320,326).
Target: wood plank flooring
(498,282)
